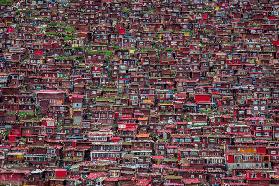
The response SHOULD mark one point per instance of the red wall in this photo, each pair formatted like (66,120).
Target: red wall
(202,98)
(261,150)
(12,138)
(230,159)
(60,173)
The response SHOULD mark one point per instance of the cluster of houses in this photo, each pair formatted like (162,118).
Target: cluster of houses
(139,92)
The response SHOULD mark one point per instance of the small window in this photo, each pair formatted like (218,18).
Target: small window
(258,128)
(253,175)
(79,154)
(273,152)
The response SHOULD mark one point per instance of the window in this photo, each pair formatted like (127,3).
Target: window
(267,128)
(196,139)
(161,147)
(264,102)
(266,134)
(245,158)
(273,152)
(258,128)
(51,151)
(76,131)
(79,154)
(211,140)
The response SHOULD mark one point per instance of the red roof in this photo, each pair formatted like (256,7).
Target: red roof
(157,157)
(38,52)
(10,30)
(203,98)
(191,181)
(115,139)
(117,179)
(144,182)
(94,175)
